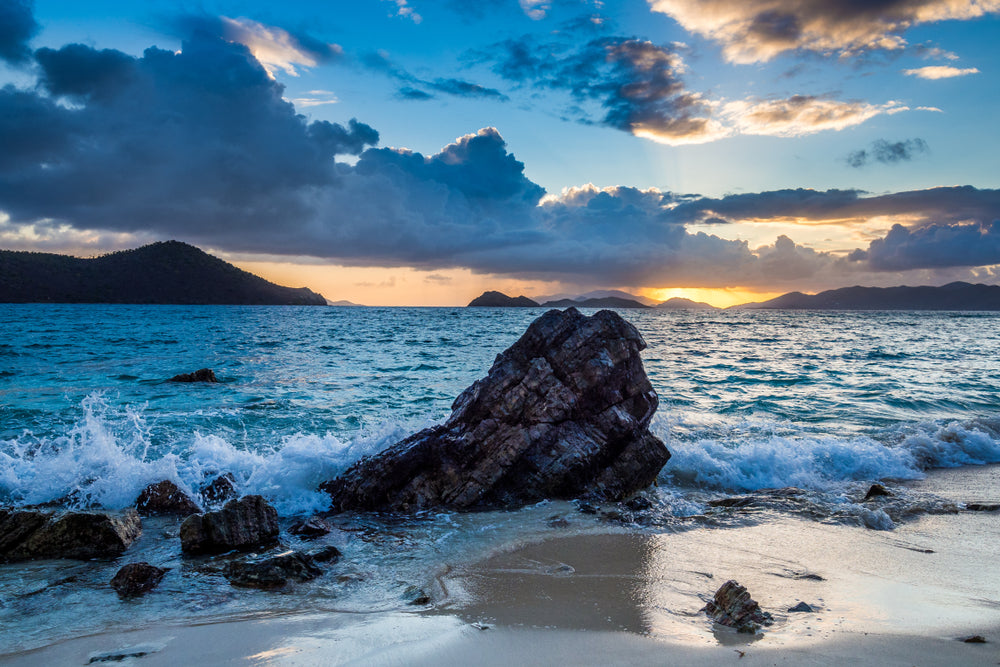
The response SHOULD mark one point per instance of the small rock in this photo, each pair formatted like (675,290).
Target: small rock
(733,607)
(310,528)
(165,498)
(638,503)
(973,639)
(33,534)
(557,522)
(877,491)
(200,375)
(137,579)
(982,507)
(272,571)
(801,607)
(327,554)
(240,524)
(586,508)
(416,596)
(735,501)
(220,489)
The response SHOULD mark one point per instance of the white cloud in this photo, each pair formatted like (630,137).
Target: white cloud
(274,48)
(940,72)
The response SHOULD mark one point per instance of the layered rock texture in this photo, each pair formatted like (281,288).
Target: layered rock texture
(30,534)
(733,607)
(564,412)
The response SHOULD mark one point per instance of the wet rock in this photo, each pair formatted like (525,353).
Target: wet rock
(973,639)
(734,501)
(310,528)
(165,498)
(32,534)
(562,413)
(638,503)
(586,508)
(982,507)
(877,491)
(557,521)
(271,571)
(240,524)
(801,607)
(137,579)
(200,375)
(733,607)
(327,554)
(220,489)
(416,596)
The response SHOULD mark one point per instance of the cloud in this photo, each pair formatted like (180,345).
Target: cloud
(535,9)
(933,247)
(940,72)
(275,48)
(17,27)
(887,152)
(316,98)
(800,115)
(403,9)
(758,30)
(416,88)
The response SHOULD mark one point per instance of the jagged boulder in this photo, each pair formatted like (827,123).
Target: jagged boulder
(733,607)
(240,524)
(562,413)
(32,534)
(165,498)
(220,489)
(137,579)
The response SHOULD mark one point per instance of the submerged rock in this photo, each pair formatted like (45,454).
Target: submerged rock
(563,412)
(272,571)
(240,524)
(877,491)
(165,498)
(733,607)
(200,375)
(32,534)
(137,579)
(310,528)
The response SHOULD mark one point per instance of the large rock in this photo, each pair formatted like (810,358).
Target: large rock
(733,607)
(272,571)
(31,534)
(165,498)
(563,412)
(240,524)
(137,579)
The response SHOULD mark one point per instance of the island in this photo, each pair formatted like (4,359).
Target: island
(493,299)
(680,303)
(167,272)
(953,296)
(602,302)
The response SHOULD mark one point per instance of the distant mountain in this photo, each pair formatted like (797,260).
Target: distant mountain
(598,294)
(501,300)
(606,302)
(168,272)
(953,296)
(344,303)
(680,303)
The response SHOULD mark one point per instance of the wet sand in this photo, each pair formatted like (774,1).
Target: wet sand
(901,597)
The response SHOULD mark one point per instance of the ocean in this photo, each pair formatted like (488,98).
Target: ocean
(827,402)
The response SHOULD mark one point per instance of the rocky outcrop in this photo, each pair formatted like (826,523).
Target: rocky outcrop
(733,607)
(501,300)
(220,489)
(200,375)
(30,534)
(563,412)
(165,498)
(240,524)
(137,579)
(272,571)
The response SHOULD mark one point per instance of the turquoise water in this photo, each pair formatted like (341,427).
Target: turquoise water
(824,401)
(749,399)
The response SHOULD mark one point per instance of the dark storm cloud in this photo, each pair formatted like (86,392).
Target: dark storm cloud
(887,152)
(637,84)
(415,88)
(933,247)
(17,27)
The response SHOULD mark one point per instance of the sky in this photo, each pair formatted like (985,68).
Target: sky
(420,152)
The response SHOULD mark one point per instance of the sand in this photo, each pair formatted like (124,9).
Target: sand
(902,597)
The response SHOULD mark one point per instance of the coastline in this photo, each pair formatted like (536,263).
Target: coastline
(905,596)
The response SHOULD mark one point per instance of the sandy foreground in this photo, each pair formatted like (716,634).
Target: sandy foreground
(900,597)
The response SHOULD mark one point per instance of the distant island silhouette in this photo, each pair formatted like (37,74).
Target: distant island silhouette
(167,272)
(501,300)
(953,296)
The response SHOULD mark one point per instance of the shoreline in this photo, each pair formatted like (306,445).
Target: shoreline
(882,597)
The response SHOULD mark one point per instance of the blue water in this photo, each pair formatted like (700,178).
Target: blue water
(824,401)
(749,399)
